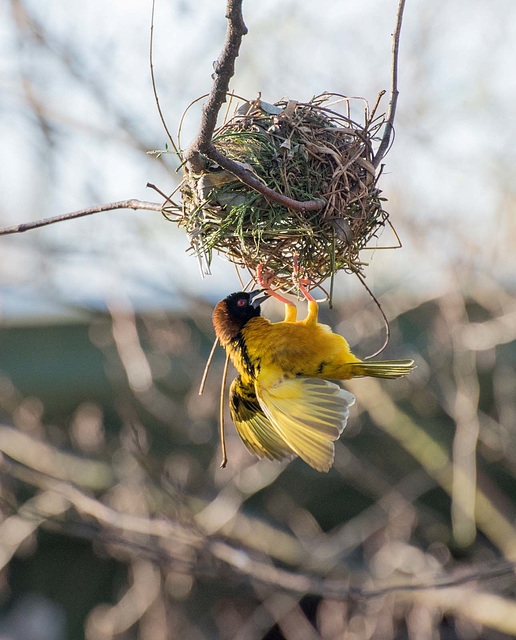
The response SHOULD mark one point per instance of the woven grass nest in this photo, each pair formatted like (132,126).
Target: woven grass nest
(305,151)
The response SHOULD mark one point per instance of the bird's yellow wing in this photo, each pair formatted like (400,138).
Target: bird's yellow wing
(308,414)
(253,426)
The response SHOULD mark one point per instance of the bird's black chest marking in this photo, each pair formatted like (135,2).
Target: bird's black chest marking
(252,368)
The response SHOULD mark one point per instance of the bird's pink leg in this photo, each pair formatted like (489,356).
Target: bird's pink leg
(302,283)
(265,280)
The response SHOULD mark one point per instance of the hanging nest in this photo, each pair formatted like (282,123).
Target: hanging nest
(305,151)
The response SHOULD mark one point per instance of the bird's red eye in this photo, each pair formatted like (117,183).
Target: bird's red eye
(241,302)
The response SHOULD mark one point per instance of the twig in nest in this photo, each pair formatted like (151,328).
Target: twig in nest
(247,178)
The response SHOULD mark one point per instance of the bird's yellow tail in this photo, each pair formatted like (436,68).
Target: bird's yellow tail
(382,368)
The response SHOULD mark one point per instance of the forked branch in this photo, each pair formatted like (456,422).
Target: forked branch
(224,70)
(202,147)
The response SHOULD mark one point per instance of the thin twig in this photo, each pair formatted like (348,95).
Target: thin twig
(162,117)
(203,143)
(207,367)
(123,204)
(222,433)
(239,277)
(164,195)
(376,105)
(215,344)
(387,326)
(391,113)
(183,116)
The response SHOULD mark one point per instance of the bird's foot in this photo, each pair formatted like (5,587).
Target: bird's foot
(264,277)
(301,283)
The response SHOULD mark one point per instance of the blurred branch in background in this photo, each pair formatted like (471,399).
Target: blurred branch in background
(168,542)
(15,529)
(109,622)
(467,426)
(435,460)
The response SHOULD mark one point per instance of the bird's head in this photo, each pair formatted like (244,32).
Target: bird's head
(231,315)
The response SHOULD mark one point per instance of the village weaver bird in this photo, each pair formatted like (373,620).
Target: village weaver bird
(282,402)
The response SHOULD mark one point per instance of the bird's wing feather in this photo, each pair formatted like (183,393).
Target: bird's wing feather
(253,426)
(308,414)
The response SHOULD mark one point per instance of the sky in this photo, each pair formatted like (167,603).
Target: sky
(78,115)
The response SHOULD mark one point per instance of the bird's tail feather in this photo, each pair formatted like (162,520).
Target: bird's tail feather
(383,368)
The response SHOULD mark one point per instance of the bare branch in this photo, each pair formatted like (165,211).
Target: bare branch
(224,71)
(391,113)
(203,144)
(123,204)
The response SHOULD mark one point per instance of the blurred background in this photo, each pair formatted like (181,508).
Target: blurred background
(116,520)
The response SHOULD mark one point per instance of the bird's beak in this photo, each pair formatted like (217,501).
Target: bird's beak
(257,297)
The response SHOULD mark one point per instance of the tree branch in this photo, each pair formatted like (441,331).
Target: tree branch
(391,113)
(203,143)
(224,71)
(123,204)
(304,583)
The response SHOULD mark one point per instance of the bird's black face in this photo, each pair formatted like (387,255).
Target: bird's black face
(242,306)
(231,315)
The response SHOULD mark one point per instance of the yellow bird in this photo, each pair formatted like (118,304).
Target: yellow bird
(282,402)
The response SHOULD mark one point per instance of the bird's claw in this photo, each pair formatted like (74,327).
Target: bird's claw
(301,283)
(264,277)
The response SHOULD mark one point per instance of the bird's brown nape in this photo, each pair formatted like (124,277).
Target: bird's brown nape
(226,327)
